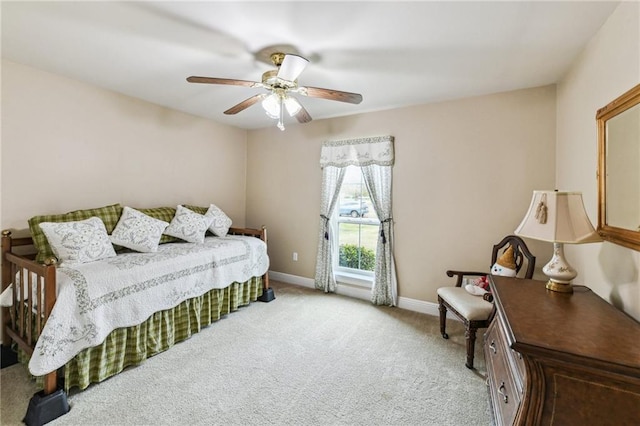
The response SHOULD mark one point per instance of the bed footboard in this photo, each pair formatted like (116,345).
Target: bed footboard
(267,292)
(34,294)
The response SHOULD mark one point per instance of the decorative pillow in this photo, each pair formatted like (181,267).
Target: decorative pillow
(78,242)
(108,214)
(506,264)
(221,222)
(165,214)
(137,231)
(188,225)
(199,210)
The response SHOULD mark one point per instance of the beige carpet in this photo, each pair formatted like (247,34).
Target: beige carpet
(306,358)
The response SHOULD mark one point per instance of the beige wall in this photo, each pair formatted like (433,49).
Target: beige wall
(608,67)
(464,175)
(67,145)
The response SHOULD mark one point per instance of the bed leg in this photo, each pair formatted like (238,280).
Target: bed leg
(48,404)
(267,295)
(45,408)
(267,292)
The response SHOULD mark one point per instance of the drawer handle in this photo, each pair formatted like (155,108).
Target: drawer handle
(501,390)
(492,346)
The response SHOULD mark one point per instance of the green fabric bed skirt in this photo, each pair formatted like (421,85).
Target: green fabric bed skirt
(130,346)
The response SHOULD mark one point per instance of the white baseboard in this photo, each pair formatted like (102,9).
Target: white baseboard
(291,279)
(415,305)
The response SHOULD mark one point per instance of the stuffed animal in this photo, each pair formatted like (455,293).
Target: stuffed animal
(479,286)
(505,266)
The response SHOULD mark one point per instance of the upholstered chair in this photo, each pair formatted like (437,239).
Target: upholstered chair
(476,310)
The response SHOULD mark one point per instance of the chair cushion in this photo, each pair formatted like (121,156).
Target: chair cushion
(473,308)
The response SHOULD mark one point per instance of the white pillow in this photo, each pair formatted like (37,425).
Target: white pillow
(137,231)
(78,242)
(221,222)
(188,225)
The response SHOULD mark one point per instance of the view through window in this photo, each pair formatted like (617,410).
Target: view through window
(357,226)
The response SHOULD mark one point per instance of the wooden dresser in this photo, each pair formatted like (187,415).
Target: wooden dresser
(561,359)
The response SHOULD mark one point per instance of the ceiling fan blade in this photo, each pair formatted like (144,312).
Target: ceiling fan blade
(228,81)
(303,116)
(332,95)
(245,104)
(291,67)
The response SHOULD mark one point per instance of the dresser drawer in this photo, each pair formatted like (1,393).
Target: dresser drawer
(505,396)
(514,358)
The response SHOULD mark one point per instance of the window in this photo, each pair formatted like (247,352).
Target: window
(374,158)
(357,228)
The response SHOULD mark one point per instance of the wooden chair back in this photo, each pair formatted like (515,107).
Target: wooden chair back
(521,253)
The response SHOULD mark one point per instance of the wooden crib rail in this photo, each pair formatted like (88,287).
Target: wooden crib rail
(33,298)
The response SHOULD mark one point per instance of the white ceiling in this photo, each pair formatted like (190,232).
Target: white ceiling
(394,53)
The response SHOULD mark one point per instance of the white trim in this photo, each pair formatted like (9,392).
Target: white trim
(414,305)
(292,279)
(349,278)
(421,306)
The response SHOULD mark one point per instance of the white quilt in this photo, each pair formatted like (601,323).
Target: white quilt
(96,298)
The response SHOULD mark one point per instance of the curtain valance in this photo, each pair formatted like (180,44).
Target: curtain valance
(358,152)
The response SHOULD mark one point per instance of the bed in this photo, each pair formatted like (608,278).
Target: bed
(81,324)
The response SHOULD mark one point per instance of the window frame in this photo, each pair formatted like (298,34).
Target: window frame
(343,274)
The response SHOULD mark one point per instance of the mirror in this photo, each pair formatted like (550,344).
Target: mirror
(619,170)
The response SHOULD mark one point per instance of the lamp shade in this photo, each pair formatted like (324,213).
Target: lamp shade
(558,217)
(292,66)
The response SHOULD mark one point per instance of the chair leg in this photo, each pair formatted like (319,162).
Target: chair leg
(443,318)
(470,335)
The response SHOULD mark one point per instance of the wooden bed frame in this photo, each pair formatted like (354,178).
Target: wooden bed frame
(19,327)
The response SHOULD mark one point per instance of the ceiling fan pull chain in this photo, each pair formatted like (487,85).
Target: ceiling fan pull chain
(281,118)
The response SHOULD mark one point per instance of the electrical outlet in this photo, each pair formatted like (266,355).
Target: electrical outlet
(295,256)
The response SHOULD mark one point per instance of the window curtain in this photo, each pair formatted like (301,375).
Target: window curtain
(385,285)
(375,157)
(332,178)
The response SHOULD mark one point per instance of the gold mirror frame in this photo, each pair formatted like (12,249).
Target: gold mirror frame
(626,237)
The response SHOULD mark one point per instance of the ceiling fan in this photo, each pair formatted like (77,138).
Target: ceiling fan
(280,83)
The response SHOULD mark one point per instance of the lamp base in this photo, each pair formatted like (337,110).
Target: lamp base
(559,287)
(559,272)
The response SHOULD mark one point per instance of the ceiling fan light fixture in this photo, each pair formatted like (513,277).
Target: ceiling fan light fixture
(271,105)
(292,105)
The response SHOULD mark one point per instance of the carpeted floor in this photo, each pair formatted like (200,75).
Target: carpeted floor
(306,358)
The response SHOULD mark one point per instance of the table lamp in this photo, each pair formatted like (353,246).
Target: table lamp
(558,217)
